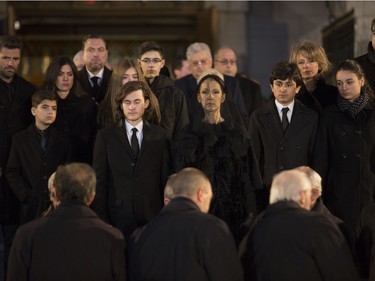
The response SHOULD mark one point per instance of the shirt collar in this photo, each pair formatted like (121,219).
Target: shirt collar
(129,127)
(280,106)
(99,74)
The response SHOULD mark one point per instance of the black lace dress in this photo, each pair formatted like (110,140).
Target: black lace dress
(224,153)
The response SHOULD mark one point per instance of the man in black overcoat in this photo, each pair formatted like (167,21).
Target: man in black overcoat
(289,242)
(184,242)
(283,131)
(15,115)
(71,243)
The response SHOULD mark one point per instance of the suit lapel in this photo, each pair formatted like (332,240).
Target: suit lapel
(121,134)
(34,140)
(298,121)
(271,121)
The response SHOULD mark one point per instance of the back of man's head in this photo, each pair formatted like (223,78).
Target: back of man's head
(75,181)
(193,184)
(291,185)
(169,193)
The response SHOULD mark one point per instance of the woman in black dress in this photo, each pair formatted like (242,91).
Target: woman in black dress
(217,144)
(76,112)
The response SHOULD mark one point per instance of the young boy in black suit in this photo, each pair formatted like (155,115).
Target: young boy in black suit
(283,131)
(35,154)
(131,161)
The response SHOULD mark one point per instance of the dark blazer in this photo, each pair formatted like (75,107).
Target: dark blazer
(15,115)
(290,243)
(84,83)
(29,169)
(183,243)
(129,191)
(277,151)
(251,94)
(70,244)
(188,84)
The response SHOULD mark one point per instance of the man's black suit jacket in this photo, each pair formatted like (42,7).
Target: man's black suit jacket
(83,79)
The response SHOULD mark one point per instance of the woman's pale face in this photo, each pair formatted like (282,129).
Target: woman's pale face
(308,68)
(130,75)
(211,96)
(65,79)
(349,85)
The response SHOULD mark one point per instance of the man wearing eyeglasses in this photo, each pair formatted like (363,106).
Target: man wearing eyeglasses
(172,103)
(200,59)
(226,63)
(367,61)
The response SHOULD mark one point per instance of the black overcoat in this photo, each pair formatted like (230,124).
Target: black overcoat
(29,169)
(83,79)
(130,192)
(290,243)
(182,243)
(70,244)
(276,150)
(351,162)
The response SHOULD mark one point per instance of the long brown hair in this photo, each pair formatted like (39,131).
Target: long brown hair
(107,106)
(127,89)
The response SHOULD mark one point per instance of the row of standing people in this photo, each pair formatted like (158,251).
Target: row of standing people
(212,134)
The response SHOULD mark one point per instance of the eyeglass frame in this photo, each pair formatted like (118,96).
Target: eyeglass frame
(149,61)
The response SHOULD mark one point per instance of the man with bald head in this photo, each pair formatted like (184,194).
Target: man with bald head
(184,242)
(225,61)
(288,242)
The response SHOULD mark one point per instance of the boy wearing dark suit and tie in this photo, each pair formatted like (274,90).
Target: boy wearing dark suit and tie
(283,131)
(35,154)
(131,161)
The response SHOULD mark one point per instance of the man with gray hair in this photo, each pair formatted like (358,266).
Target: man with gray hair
(288,242)
(184,242)
(199,57)
(71,243)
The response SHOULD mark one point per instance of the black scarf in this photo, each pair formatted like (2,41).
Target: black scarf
(353,108)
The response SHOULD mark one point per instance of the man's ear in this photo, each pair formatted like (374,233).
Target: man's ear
(314,195)
(33,111)
(91,199)
(147,103)
(302,198)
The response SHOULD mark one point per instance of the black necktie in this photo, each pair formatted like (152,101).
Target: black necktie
(94,81)
(43,140)
(134,142)
(284,119)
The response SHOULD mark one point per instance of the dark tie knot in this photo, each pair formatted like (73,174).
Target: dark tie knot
(285,110)
(94,80)
(134,142)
